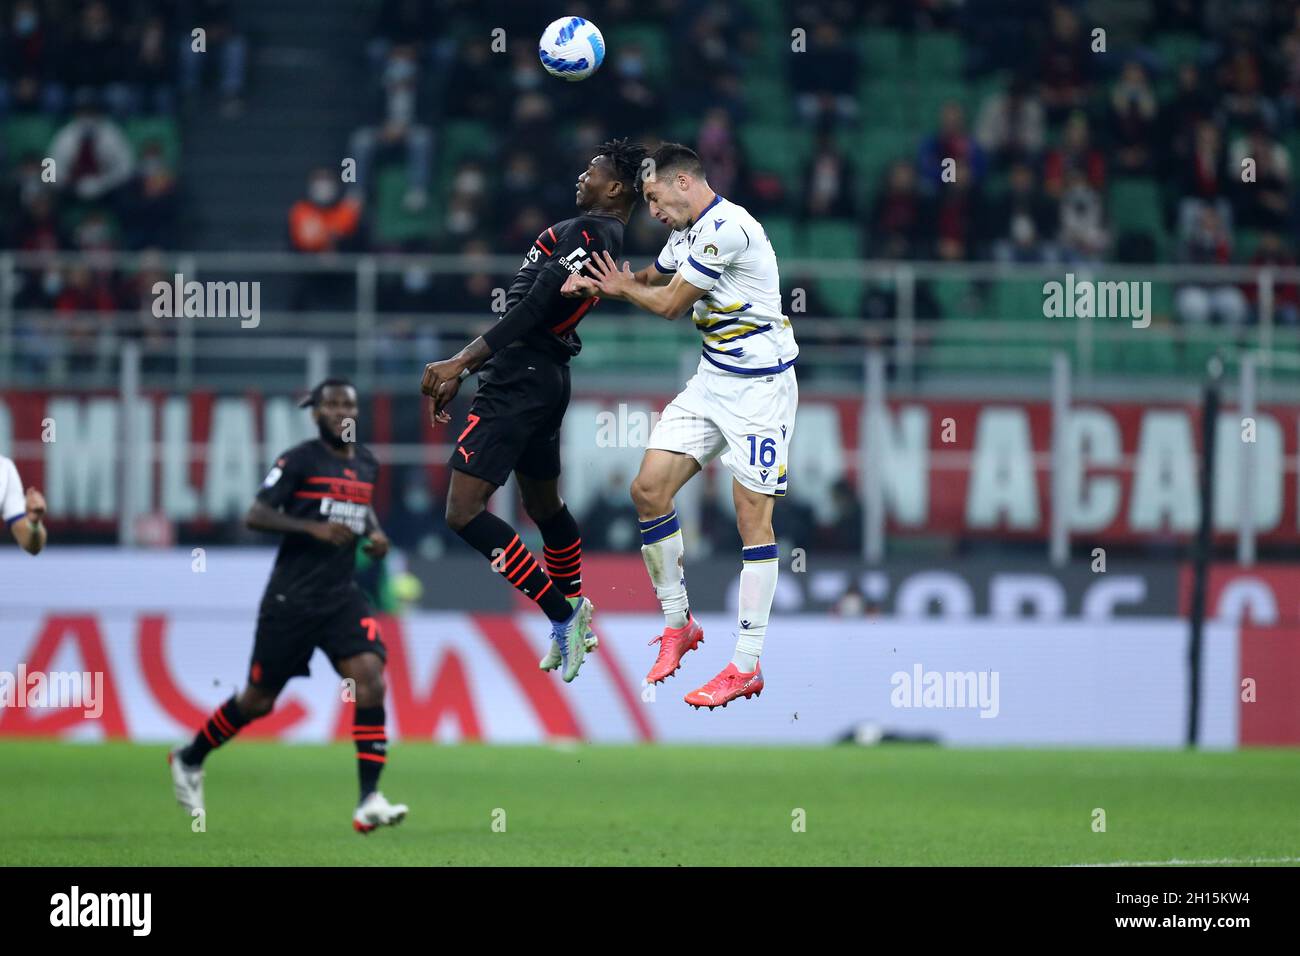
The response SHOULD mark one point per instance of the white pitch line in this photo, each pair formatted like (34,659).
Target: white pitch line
(1222,862)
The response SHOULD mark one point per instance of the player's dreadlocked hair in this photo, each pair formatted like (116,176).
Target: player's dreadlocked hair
(626,159)
(318,393)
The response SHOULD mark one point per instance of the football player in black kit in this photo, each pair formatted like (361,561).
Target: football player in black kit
(514,422)
(318,497)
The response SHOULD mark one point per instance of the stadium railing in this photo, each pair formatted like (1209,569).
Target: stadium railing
(939,331)
(944,326)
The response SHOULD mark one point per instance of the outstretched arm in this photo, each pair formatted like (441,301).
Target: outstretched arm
(670,301)
(582,287)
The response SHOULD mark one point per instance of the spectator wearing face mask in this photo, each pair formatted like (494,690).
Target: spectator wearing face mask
(150,205)
(94,59)
(1207,239)
(398,132)
(153,68)
(1083,235)
(227,51)
(27,65)
(628,93)
(323,222)
(828,182)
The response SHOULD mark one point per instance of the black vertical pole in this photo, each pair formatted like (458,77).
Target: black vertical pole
(1201,551)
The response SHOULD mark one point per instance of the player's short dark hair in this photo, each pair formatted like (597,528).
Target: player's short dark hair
(674,157)
(626,159)
(317,394)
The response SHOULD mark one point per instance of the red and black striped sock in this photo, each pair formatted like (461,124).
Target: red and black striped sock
(372,747)
(501,544)
(563,551)
(224,723)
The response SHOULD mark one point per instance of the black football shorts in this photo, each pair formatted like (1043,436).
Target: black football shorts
(287,637)
(514,421)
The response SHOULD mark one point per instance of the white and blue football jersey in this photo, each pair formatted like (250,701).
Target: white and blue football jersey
(726,252)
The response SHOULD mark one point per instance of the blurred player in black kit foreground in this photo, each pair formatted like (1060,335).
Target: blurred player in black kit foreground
(318,496)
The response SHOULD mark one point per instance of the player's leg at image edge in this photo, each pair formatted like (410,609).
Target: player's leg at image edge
(743,677)
(366,671)
(368,734)
(662,550)
(497,541)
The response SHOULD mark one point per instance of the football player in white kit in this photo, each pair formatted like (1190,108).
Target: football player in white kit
(22,511)
(740,404)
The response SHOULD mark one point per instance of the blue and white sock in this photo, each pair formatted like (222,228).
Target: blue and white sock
(662,550)
(757,587)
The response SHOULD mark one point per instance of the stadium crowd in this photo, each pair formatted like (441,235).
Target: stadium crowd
(1065,153)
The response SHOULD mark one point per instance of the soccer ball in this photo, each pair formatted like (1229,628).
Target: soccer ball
(571,48)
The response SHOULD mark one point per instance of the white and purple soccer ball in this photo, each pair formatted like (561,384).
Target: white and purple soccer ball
(571,48)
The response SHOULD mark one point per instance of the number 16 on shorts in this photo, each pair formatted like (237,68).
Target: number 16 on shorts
(761,452)
(764,458)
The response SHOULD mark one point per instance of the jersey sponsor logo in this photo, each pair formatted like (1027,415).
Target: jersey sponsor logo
(717,224)
(573,261)
(350,513)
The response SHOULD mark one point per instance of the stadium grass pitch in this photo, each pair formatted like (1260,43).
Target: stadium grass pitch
(273,804)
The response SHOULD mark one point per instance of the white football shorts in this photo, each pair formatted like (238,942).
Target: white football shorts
(748,419)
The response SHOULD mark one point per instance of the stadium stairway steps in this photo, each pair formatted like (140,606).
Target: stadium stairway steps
(308,87)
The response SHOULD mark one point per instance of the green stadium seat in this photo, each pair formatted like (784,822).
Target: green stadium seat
(1178,48)
(885,101)
(956,298)
(1017,300)
(768,98)
(782,234)
(1135,206)
(161,129)
(1247,241)
(26,134)
(782,150)
(938,55)
(459,140)
(882,52)
(765,13)
(931,97)
(393,223)
(1292,142)
(653,41)
(832,239)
